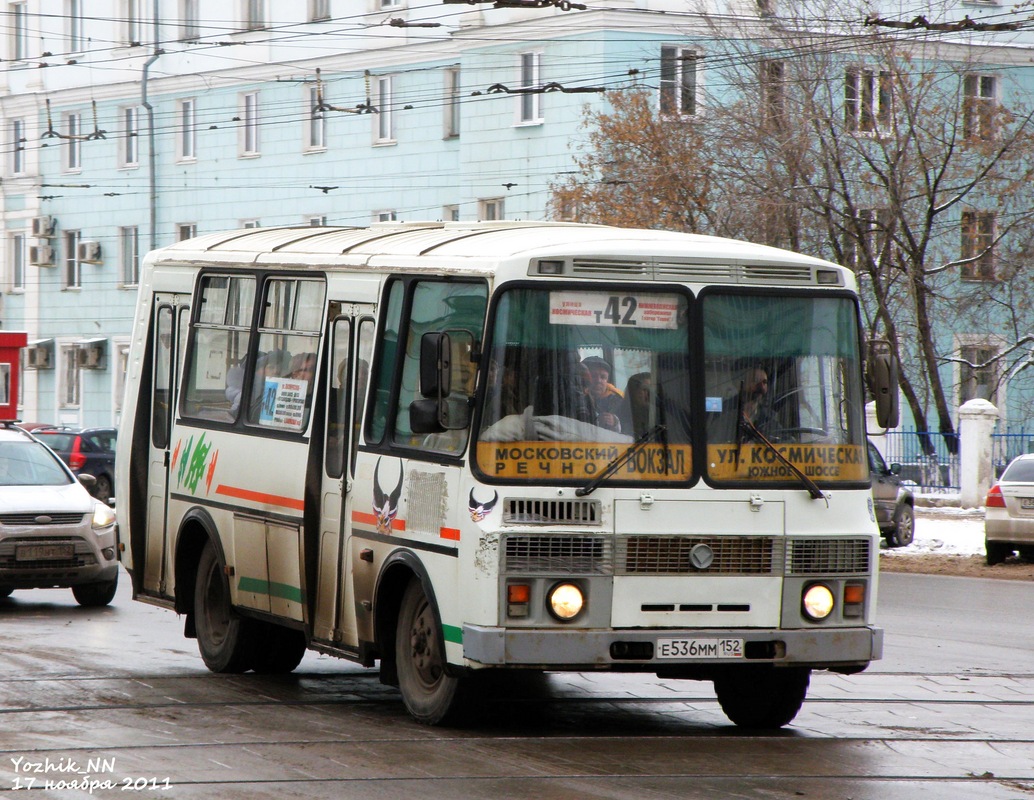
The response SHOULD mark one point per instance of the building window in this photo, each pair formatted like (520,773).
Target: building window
(254,18)
(121,370)
(130,136)
(187,149)
(868,95)
(978,109)
(69,376)
(17,254)
(317,222)
(385,216)
(978,373)
(528,107)
(189,29)
(186,230)
(317,138)
(864,242)
(129,242)
(73,269)
(75,25)
(17,146)
(977,251)
(19,21)
(250,117)
(490,209)
(773,94)
(678,81)
(384,121)
(389,3)
(73,144)
(452,103)
(450,213)
(134,23)
(251,223)
(318,10)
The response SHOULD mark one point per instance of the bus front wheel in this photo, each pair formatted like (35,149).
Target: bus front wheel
(224,638)
(430,694)
(762,697)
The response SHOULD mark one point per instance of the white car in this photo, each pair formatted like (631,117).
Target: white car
(53,533)
(1009,512)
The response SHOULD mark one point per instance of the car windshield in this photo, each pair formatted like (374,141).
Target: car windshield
(30,464)
(1020,471)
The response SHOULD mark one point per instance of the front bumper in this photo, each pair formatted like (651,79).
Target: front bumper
(94,560)
(571,648)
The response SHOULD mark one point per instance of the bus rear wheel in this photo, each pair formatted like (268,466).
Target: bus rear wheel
(281,650)
(430,694)
(224,638)
(762,697)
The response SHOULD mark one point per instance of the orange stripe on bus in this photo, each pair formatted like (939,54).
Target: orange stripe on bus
(260,497)
(451,533)
(371,519)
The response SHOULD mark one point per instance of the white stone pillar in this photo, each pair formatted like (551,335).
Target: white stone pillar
(976,472)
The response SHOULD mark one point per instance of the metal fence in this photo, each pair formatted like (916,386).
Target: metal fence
(929,460)
(1005,446)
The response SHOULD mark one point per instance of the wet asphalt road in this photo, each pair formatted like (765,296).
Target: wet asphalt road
(116,703)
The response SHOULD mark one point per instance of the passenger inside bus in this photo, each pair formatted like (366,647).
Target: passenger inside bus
(637,409)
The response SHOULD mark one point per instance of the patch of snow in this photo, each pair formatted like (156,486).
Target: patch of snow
(946,530)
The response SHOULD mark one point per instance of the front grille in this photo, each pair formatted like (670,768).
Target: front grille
(568,555)
(531,511)
(671,555)
(56,518)
(827,556)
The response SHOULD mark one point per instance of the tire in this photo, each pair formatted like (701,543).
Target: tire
(5,591)
(95,595)
(1027,553)
(904,527)
(430,694)
(762,697)
(278,650)
(102,489)
(997,552)
(224,638)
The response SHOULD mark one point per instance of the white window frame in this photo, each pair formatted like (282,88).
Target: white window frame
(254,14)
(678,93)
(129,151)
(451,120)
(250,145)
(979,230)
(190,30)
(186,140)
(19,15)
(972,341)
(451,213)
(529,76)
(134,22)
(17,259)
(185,230)
(74,18)
(70,389)
(868,100)
(121,367)
(73,268)
(250,223)
(129,255)
(979,101)
(316,221)
(73,144)
(316,127)
(384,119)
(491,209)
(18,164)
(319,10)
(385,215)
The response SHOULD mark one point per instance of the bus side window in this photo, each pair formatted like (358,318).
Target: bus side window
(337,398)
(362,380)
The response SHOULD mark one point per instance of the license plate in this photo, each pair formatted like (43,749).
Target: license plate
(699,648)
(44,552)
(1027,502)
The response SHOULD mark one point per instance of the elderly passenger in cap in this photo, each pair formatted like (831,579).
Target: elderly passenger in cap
(605,395)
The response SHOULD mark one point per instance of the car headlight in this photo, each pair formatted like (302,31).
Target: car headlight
(103,517)
(565,601)
(817,601)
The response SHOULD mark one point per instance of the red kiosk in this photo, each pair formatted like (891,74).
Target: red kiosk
(11,344)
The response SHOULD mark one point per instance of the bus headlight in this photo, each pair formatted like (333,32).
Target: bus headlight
(817,601)
(565,601)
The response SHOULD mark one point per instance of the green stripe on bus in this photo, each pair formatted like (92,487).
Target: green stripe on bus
(453,634)
(282,590)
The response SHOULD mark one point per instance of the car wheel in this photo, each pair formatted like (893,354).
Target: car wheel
(224,638)
(95,595)
(102,489)
(762,697)
(904,530)
(997,552)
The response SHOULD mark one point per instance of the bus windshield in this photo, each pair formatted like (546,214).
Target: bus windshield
(576,376)
(782,388)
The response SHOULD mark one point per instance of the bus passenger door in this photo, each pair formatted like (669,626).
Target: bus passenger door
(170,320)
(351,348)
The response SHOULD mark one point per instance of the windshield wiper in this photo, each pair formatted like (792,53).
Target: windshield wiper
(809,484)
(619,461)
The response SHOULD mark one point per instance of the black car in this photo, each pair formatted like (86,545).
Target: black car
(89,451)
(894,502)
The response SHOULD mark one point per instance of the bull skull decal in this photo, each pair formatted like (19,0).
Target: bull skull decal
(385,506)
(478,511)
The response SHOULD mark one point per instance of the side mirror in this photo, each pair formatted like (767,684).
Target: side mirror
(435,365)
(883,383)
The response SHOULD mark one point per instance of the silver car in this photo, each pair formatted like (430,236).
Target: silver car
(1009,512)
(52,532)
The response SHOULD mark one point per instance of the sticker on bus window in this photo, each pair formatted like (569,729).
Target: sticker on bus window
(617,310)
(283,403)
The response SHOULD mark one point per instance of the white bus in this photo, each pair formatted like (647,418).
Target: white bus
(455,447)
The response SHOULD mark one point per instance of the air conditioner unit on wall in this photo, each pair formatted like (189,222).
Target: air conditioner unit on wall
(90,353)
(40,354)
(89,252)
(43,227)
(41,255)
